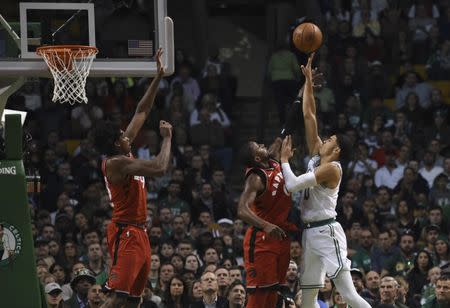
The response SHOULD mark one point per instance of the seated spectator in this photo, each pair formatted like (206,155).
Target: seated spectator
(440,194)
(366,25)
(153,275)
(412,110)
(440,129)
(382,254)
(207,202)
(96,296)
(362,165)
(190,85)
(430,171)
(420,24)
(438,64)
(361,259)
(196,292)
(411,186)
(210,83)
(80,284)
(53,295)
(173,200)
(187,100)
(390,173)
(223,280)
(442,295)
(325,298)
(437,104)
(207,131)
(236,295)
(428,290)
(435,147)
(442,249)
(388,293)
(210,290)
(411,84)
(401,262)
(176,294)
(417,277)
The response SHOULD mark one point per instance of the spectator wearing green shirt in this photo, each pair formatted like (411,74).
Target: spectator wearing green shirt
(96,263)
(428,291)
(362,259)
(173,200)
(284,73)
(403,261)
(442,293)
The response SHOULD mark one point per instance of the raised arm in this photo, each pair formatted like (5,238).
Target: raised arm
(327,174)
(254,185)
(309,110)
(121,166)
(146,103)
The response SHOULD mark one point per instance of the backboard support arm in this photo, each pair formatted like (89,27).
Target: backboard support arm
(10,31)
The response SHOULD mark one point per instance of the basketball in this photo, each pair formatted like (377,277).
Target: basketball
(307,37)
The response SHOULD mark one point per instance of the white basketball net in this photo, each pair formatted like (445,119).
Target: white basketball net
(70,68)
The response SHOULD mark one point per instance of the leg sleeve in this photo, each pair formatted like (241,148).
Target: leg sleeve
(344,285)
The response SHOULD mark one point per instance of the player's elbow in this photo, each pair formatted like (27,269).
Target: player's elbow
(241,212)
(159,171)
(289,187)
(308,115)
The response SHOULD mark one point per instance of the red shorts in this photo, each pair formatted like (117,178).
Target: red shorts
(266,260)
(129,249)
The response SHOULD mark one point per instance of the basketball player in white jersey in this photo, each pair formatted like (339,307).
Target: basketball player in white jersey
(324,243)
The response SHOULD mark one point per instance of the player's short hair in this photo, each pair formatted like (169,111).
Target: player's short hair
(345,144)
(106,133)
(246,155)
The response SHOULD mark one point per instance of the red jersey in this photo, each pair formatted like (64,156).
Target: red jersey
(129,200)
(274,204)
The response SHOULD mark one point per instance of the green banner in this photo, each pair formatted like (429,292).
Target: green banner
(19,287)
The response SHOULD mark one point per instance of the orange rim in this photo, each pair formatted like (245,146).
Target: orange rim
(79,50)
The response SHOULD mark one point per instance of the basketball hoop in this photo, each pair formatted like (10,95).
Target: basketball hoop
(69,65)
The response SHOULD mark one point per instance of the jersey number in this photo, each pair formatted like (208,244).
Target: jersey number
(306,194)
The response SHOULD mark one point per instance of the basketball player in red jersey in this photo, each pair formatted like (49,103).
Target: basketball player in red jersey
(265,204)
(128,242)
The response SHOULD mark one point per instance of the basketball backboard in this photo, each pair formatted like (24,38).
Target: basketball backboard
(126,33)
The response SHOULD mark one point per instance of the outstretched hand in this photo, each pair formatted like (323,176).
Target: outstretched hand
(286,149)
(306,70)
(318,78)
(159,66)
(275,232)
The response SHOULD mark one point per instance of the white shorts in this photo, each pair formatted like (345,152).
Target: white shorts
(324,253)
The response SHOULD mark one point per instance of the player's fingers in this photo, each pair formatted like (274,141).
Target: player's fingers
(311,56)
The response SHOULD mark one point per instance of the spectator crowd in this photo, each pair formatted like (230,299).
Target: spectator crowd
(385,64)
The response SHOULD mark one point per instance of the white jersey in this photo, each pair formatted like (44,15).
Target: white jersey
(319,202)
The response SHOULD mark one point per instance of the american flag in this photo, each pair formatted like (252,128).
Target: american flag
(143,48)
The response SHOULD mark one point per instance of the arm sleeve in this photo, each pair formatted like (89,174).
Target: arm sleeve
(296,183)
